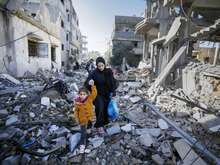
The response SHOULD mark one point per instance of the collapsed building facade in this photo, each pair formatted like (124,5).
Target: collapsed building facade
(123,36)
(35,35)
(173,33)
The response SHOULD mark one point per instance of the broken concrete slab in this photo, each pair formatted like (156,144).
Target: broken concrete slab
(176,134)
(162,124)
(182,114)
(134,84)
(96,141)
(137,116)
(14,159)
(197,115)
(113,130)
(17,108)
(73,141)
(26,158)
(127,127)
(32,115)
(45,101)
(146,140)
(188,155)
(157,159)
(210,122)
(10,78)
(153,131)
(61,141)
(3,113)
(11,120)
(53,128)
(135,99)
(166,149)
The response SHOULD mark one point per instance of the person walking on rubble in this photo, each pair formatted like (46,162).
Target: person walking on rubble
(90,66)
(84,112)
(106,86)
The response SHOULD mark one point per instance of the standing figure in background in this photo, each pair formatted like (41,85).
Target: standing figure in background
(90,66)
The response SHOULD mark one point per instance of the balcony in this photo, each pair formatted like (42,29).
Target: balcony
(127,36)
(147,26)
(137,51)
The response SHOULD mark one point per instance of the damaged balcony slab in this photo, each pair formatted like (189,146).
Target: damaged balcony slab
(166,70)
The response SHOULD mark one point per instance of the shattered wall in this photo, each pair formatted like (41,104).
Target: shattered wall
(7,55)
(16,53)
(203,82)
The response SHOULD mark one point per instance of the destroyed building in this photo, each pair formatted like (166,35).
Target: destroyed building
(35,35)
(125,43)
(173,35)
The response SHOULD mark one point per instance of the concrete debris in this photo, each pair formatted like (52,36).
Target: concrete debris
(187,154)
(162,124)
(32,115)
(3,113)
(45,101)
(166,149)
(135,99)
(10,79)
(146,140)
(197,115)
(176,134)
(17,108)
(157,159)
(96,141)
(11,120)
(11,160)
(37,118)
(127,128)
(210,122)
(113,130)
(155,132)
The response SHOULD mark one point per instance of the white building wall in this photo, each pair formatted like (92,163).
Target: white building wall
(23,60)
(18,50)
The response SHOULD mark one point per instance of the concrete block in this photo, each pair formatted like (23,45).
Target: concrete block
(188,155)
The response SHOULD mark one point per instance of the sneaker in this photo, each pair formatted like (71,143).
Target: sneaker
(89,131)
(82,149)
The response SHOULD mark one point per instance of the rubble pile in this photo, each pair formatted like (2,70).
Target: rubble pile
(136,74)
(203,84)
(140,136)
(35,117)
(37,125)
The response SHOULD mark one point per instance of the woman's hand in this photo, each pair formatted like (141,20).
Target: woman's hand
(91,82)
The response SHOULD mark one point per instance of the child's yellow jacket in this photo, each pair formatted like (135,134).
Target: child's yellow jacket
(84,111)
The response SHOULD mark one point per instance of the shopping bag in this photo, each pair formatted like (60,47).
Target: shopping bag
(113,111)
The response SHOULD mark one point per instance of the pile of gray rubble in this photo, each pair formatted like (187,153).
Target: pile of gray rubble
(36,124)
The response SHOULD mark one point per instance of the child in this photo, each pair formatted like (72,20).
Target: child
(84,111)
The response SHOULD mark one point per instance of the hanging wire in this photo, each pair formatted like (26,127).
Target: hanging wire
(10,42)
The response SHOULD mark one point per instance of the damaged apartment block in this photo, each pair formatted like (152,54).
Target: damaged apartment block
(38,34)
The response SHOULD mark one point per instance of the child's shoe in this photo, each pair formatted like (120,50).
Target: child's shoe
(89,131)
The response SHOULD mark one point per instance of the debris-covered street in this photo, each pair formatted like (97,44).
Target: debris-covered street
(37,127)
(151,97)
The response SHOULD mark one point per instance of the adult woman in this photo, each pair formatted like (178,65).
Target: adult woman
(105,84)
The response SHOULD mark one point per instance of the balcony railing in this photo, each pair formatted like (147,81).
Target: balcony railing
(127,36)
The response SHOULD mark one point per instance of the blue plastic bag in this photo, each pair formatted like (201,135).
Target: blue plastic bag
(113,111)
